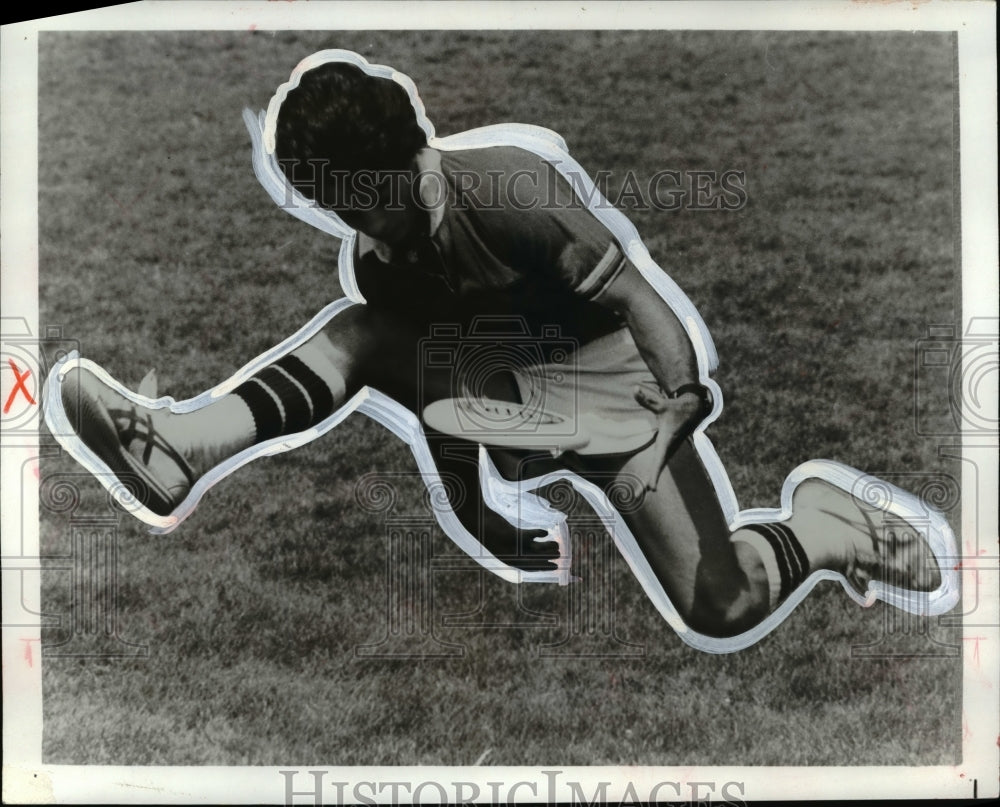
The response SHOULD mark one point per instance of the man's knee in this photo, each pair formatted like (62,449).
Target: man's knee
(354,331)
(722,611)
(376,349)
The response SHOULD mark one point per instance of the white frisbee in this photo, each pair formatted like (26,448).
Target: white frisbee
(506,424)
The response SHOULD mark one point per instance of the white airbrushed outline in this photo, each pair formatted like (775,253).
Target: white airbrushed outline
(513,500)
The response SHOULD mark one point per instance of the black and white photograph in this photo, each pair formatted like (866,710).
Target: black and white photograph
(421,409)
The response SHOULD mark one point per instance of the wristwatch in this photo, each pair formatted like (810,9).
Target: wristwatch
(703,393)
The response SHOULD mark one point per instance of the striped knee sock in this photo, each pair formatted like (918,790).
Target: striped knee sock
(784,559)
(293,394)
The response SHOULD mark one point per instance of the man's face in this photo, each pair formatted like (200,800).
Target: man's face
(389,225)
(396,218)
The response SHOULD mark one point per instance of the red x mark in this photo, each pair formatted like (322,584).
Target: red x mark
(19,385)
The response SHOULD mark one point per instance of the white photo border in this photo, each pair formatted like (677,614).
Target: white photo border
(27,779)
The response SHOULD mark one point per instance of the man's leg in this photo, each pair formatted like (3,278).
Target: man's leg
(719,588)
(171,450)
(725,582)
(358,347)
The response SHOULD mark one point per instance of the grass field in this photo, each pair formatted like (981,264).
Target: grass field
(159,249)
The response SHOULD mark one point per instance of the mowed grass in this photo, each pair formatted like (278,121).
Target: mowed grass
(159,249)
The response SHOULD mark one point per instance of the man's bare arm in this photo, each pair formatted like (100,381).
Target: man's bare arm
(666,348)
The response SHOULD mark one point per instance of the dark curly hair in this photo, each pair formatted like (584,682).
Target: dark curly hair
(344,121)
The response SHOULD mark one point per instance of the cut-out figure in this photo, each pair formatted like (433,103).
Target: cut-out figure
(498,235)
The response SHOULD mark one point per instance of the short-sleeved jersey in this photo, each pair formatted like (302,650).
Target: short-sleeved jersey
(508,237)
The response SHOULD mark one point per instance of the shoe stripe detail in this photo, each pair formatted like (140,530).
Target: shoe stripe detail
(146,431)
(316,388)
(291,398)
(147,451)
(153,494)
(267,417)
(155,440)
(128,435)
(780,555)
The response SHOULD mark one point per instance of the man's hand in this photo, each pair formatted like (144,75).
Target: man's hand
(676,416)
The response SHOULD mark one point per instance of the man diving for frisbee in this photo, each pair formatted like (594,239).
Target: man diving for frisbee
(511,327)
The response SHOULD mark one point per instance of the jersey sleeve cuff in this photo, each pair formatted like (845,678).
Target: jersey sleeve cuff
(604,274)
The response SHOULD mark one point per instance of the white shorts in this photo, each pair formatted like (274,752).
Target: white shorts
(595,386)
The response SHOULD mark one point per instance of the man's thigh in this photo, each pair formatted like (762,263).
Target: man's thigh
(680,527)
(396,355)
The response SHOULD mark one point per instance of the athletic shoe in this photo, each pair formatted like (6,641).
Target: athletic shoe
(127,437)
(895,553)
(892,546)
